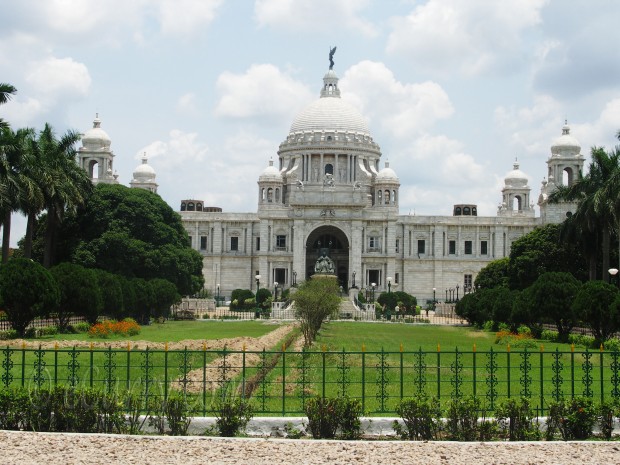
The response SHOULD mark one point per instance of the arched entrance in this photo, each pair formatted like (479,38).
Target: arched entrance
(338,244)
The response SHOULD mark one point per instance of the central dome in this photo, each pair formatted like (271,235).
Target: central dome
(330,114)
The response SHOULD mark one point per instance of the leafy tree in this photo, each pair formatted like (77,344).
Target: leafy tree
(263,298)
(238,297)
(27,290)
(111,293)
(495,274)
(391,299)
(165,295)
(596,304)
(6,91)
(134,233)
(129,297)
(316,300)
(526,312)
(502,305)
(79,293)
(467,308)
(553,293)
(542,251)
(144,300)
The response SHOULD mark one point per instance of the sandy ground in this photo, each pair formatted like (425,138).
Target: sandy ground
(55,448)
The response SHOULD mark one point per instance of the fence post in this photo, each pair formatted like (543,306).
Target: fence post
(128,368)
(508,368)
(474,366)
(283,380)
(438,372)
(323,380)
(92,365)
(55,364)
(166,371)
(572,371)
(542,349)
(402,373)
(602,374)
(204,379)
(363,377)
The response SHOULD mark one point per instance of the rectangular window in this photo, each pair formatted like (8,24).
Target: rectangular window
(468,247)
(397,245)
(396,277)
(467,283)
(421,246)
(483,248)
(280,242)
(373,243)
(258,244)
(452,247)
(234,243)
(203,242)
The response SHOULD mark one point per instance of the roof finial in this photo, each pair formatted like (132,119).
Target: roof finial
(332,50)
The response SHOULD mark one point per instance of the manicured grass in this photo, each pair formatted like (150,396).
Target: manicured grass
(389,336)
(173,331)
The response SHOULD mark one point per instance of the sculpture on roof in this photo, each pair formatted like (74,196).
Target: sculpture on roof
(331,57)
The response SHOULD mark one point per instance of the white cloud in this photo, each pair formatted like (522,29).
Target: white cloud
(468,37)
(22,112)
(185,17)
(187,103)
(402,109)
(314,15)
(263,91)
(59,78)
(181,149)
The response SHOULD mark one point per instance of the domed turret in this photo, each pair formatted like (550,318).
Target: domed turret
(95,156)
(144,176)
(516,177)
(566,145)
(96,138)
(271,173)
(387,174)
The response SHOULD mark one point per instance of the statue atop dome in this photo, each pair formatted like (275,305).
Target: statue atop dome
(331,57)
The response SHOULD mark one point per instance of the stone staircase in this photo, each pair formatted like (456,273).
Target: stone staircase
(347,310)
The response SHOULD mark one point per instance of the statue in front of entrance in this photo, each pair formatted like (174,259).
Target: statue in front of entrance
(324,264)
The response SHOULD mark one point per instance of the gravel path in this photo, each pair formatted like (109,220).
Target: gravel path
(26,448)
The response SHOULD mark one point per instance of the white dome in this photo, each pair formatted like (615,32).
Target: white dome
(565,144)
(96,138)
(330,114)
(144,172)
(516,177)
(270,173)
(387,173)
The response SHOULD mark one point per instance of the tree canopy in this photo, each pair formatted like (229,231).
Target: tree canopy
(315,301)
(133,233)
(27,291)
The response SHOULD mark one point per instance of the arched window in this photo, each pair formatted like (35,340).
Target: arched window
(191,207)
(199,207)
(567,177)
(277,195)
(329,168)
(380,197)
(387,197)
(270,195)
(466,211)
(457,211)
(183,206)
(517,203)
(262,194)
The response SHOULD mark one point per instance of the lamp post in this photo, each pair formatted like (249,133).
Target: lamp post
(389,280)
(294,278)
(353,279)
(217,298)
(446,295)
(434,300)
(612,274)
(275,291)
(373,285)
(257,312)
(457,292)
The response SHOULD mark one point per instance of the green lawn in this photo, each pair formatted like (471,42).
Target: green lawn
(389,336)
(173,331)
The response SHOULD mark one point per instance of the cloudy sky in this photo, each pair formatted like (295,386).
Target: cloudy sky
(453,90)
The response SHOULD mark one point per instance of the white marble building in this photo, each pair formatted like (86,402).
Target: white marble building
(327,189)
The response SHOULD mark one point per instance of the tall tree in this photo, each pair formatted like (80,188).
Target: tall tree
(6,91)
(67,187)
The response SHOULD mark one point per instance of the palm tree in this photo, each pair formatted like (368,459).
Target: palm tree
(6,90)
(15,186)
(597,213)
(65,185)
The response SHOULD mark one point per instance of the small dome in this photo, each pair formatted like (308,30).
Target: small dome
(96,138)
(516,177)
(144,172)
(271,173)
(387,173)
(566,144)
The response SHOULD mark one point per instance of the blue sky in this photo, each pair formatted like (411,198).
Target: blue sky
(453,90)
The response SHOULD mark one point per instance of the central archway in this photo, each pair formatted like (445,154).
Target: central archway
(322,237)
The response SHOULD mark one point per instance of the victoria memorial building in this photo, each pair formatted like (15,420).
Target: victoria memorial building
(328,191)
